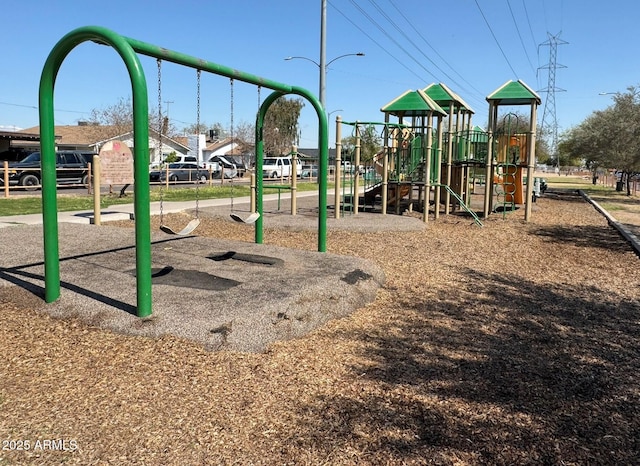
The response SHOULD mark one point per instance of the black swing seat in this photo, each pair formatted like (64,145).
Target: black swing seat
(192,225)
(250,219)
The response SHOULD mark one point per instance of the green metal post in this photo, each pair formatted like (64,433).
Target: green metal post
(49,197)
(141,160)
(259,225)
(323,165)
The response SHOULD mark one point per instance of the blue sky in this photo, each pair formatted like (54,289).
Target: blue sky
(472,46)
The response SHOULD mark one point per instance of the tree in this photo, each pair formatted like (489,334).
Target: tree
(513,123)
(280,130)
(245,133)
(370,143)
(118,116)
(118,119)
(610,138)
(519,123)
(203,128)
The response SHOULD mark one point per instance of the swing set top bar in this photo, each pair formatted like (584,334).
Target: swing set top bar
(150,50)
(128,49)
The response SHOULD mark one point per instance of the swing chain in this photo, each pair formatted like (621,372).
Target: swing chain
(198,141)
(259,99)
(232,137)
(159,62)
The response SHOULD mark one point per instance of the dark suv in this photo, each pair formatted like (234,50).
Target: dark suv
(71,168)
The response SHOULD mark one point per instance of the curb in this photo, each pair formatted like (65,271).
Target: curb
(626,234)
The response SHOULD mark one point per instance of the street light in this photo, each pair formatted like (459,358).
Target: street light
(359,54)
(323,70)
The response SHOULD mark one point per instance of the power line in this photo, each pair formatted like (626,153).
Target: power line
(408,21)
(401,31)
(36,108)
(515,23)
(376,42)
(496,39)
(383,31)
(526,13)
(533,39)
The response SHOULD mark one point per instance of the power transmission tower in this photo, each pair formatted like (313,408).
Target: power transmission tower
(549,123)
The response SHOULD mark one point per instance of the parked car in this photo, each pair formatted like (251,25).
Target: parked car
(276,167)
(14,154)
(179,172)
(72,167)
(241,166)
(219,163)
(177,159)
(309,171)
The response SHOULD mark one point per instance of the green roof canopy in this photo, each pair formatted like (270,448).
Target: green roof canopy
(413,103)
(478,135)
(446,98)
(514,93)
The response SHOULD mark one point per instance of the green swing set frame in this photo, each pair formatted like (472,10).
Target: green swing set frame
(128,49)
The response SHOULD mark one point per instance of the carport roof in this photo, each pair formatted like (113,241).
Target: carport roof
(19,136)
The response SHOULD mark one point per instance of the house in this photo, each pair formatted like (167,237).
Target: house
(311,156)
(226,146)
(91,137)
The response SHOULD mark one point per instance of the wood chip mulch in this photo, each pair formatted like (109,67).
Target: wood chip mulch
(514,343)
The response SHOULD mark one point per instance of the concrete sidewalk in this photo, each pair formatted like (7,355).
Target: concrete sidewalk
(276,210)
(125,211)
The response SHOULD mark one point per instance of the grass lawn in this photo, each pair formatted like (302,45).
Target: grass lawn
(616,202)
(22,205)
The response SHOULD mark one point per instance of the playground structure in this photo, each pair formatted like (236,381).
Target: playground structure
(512,154)
(412,164)
(422,164)
(128,49)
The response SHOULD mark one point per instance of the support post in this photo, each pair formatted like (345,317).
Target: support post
(427,183)
(5,174)
(385,165)
(96,189)
(530,162)
(253,193)
(356,173)
(488,182)
(294,179)
(438,170)
(452,135)
(338,172)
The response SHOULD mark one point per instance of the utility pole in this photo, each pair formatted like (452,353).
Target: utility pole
(323,51)
(168,102)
